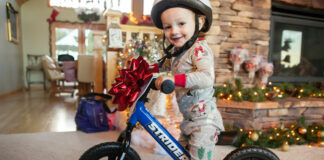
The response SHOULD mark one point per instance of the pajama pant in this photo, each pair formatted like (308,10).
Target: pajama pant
(201,142)
(200,128)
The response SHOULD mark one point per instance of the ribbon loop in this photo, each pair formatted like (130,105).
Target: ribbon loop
(127,86)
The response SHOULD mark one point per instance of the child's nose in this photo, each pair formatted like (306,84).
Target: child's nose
(175,30)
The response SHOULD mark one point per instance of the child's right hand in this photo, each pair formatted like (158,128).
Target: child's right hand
(161,79)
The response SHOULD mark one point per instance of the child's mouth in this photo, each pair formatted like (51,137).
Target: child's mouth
(176,39)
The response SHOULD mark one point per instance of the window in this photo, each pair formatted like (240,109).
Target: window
(88,4)
(73,38)
(89,41)
(148,4)
(66,41)
(125,6)
(297,46)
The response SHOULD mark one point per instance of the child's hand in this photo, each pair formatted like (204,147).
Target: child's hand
(161,79)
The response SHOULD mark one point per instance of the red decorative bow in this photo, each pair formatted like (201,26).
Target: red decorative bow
(127,86)
(53,16)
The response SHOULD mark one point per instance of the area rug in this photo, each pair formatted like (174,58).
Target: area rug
(70,145)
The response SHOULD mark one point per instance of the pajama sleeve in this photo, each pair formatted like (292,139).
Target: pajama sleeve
(203,74)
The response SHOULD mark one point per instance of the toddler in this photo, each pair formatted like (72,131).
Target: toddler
(191,62)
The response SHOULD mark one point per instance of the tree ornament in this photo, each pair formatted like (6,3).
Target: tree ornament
(320,133)
(302,130)
(285,147)
(282,126)
(320,143)
(254,136)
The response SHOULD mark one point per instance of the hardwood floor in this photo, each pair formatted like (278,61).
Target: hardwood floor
(37,111)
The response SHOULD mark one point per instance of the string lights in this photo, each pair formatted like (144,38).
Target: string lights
(228,92)
(298,133)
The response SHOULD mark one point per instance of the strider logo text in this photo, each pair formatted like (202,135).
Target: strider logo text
(176,151)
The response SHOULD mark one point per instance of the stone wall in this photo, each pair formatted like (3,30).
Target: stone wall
(243,23)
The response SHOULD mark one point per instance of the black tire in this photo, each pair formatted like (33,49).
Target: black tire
(251,153)
(108,150)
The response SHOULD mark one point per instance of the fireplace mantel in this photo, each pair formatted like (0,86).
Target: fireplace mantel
(268,114)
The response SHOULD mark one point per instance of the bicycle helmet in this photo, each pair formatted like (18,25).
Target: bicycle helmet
(198,6)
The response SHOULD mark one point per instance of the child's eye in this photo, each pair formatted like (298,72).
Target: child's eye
(166,27)
(182,23)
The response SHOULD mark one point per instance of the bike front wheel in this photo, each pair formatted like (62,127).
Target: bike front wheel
(251,153)
(109,150)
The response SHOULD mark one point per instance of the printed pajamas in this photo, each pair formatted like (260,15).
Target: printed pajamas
(202,121)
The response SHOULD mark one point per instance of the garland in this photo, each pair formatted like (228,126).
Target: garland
(88,18)
(146,19)
(298,133)
(257,94)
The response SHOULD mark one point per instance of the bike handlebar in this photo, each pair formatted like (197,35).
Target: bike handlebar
(167,86)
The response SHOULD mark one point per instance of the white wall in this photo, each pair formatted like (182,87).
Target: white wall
(11,73)
(35,28)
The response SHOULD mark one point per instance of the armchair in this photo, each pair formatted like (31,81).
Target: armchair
(55,75)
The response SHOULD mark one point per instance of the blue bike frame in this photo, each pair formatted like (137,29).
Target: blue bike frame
(158,132)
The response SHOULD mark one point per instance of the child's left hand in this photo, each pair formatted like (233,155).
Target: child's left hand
(161,79)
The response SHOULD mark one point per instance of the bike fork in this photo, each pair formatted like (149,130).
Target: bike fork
(125,139)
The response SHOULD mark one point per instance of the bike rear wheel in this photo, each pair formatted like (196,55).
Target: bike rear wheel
(251,153)
(109,150)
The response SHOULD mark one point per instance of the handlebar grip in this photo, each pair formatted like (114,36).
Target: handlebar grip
(167,86)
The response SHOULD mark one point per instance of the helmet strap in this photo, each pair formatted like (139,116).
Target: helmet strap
(186,46)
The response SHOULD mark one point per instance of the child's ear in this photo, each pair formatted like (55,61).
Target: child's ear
(201,20)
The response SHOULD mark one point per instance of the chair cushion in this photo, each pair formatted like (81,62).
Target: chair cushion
(48,62)
(51,70)
(69,71)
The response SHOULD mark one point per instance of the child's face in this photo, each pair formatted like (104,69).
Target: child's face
(178,25)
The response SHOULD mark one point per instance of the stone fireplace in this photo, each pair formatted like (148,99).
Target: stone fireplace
(246,23)
(250,24)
